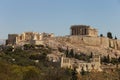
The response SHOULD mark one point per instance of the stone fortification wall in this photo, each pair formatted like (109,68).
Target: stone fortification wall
(90,41)
(84,40)
(103,42)
(118,44)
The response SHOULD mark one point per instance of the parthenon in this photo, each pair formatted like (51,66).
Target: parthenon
(83,30)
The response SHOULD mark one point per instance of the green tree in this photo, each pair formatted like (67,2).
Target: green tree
(31,75)
(91,55)
(67,52)
(77,56)
(101,35)
(74,74)
(5,71)
(56,74)
(114,61)
(29,46)
(119,59)
(109,35)
(71,53)
(115,38)
(82,71)
(8,49)
(104,59)
(108,58)
(38,56)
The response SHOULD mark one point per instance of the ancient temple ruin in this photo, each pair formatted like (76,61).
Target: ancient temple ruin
(27,38)
(93,65)
(83,30)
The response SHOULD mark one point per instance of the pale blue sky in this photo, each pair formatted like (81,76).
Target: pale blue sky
(17,16)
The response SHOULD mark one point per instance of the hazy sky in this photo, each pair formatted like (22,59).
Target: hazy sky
(56,16)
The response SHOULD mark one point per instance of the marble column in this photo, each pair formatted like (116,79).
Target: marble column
(76,31)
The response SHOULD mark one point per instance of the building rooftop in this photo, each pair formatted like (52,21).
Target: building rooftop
(73,26)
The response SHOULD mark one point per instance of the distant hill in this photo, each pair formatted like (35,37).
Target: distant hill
(2,41)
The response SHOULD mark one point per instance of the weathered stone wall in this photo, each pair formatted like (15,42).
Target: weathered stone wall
(91,41)
(87,66)
(118,44)
(104,42)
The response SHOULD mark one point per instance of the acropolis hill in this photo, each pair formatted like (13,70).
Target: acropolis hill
(83,38)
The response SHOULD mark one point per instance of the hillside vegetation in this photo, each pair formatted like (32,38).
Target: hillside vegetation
(21,64)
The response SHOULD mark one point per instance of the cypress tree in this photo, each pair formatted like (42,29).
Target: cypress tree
(82,71)
(74,74)
(71,54)
(109,35)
